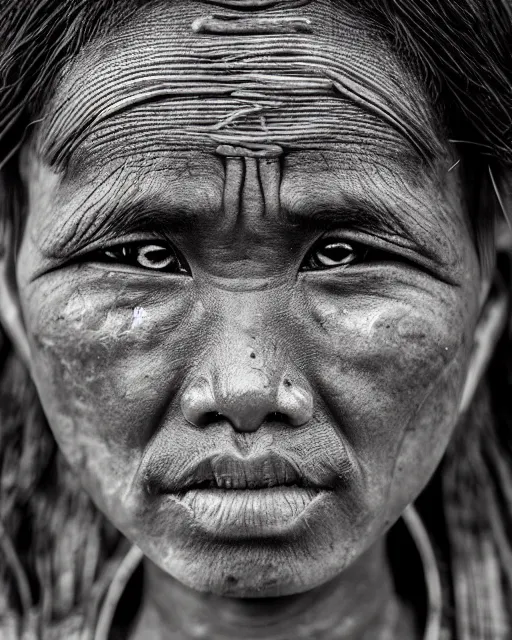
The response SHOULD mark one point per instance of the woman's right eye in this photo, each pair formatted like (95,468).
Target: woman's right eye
(154,256)
(329,253)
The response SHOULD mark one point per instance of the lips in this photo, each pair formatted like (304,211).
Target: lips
(240,515)
(229,496)
(230,472)
(235,498)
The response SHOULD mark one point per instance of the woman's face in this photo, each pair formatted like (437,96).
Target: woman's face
(252,355)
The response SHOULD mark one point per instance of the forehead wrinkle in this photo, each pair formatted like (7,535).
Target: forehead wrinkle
(145,131)
(153,63)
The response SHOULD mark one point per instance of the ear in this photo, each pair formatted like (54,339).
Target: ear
(11,317)
(490,327)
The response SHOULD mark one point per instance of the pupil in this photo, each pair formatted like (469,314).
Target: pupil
(335,252)
(156,256)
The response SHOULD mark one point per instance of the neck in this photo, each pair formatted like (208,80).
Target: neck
(359,603)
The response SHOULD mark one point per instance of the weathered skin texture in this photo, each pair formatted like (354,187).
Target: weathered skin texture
(352,373)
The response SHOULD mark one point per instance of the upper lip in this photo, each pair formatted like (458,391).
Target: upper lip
(226,471)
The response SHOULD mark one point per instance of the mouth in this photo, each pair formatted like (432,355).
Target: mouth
(241,514)
(232,473)
(239,474)
(230,497)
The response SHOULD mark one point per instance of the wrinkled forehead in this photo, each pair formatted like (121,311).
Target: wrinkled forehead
(193,76)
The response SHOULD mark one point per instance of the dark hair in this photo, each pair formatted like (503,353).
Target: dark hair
(463,52)
(460,51)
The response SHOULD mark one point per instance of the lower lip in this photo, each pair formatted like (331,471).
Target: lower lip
(249,513)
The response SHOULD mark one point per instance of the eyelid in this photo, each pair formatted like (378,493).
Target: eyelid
(183,268)
(106,243)
(398,246)
(141,272)
(87,254)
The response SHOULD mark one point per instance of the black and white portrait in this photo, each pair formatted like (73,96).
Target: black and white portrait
(255,319)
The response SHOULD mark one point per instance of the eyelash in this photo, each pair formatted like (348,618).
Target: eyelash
(137,254)
(355,253)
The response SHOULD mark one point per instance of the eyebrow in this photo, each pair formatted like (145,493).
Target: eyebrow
(356,212)
(401,211)
(120,219)
(142,210)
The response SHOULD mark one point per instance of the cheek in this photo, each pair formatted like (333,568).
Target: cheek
(422,366)
(391,365)
(106,367)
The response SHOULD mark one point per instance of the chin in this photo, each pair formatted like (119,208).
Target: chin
(266,582)
(262,569)
(301,554)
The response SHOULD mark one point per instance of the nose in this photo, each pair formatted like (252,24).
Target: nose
(247,399)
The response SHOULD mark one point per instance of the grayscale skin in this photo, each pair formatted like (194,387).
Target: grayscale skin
(257,419)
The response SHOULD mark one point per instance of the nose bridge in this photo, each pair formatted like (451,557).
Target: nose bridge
(246,368)
(244,317)
(248,357)
(247,377)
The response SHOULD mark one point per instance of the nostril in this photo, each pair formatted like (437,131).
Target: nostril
(246,398)
(209,417)
(277,416)
(295,401)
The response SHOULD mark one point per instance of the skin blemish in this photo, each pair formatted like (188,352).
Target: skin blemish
(251,352)
(75,309)
(138,317)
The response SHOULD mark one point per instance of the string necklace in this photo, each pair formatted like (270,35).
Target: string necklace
(414,526)
(431,575)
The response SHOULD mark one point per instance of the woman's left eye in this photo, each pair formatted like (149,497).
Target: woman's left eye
(328,254)
(147,255)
